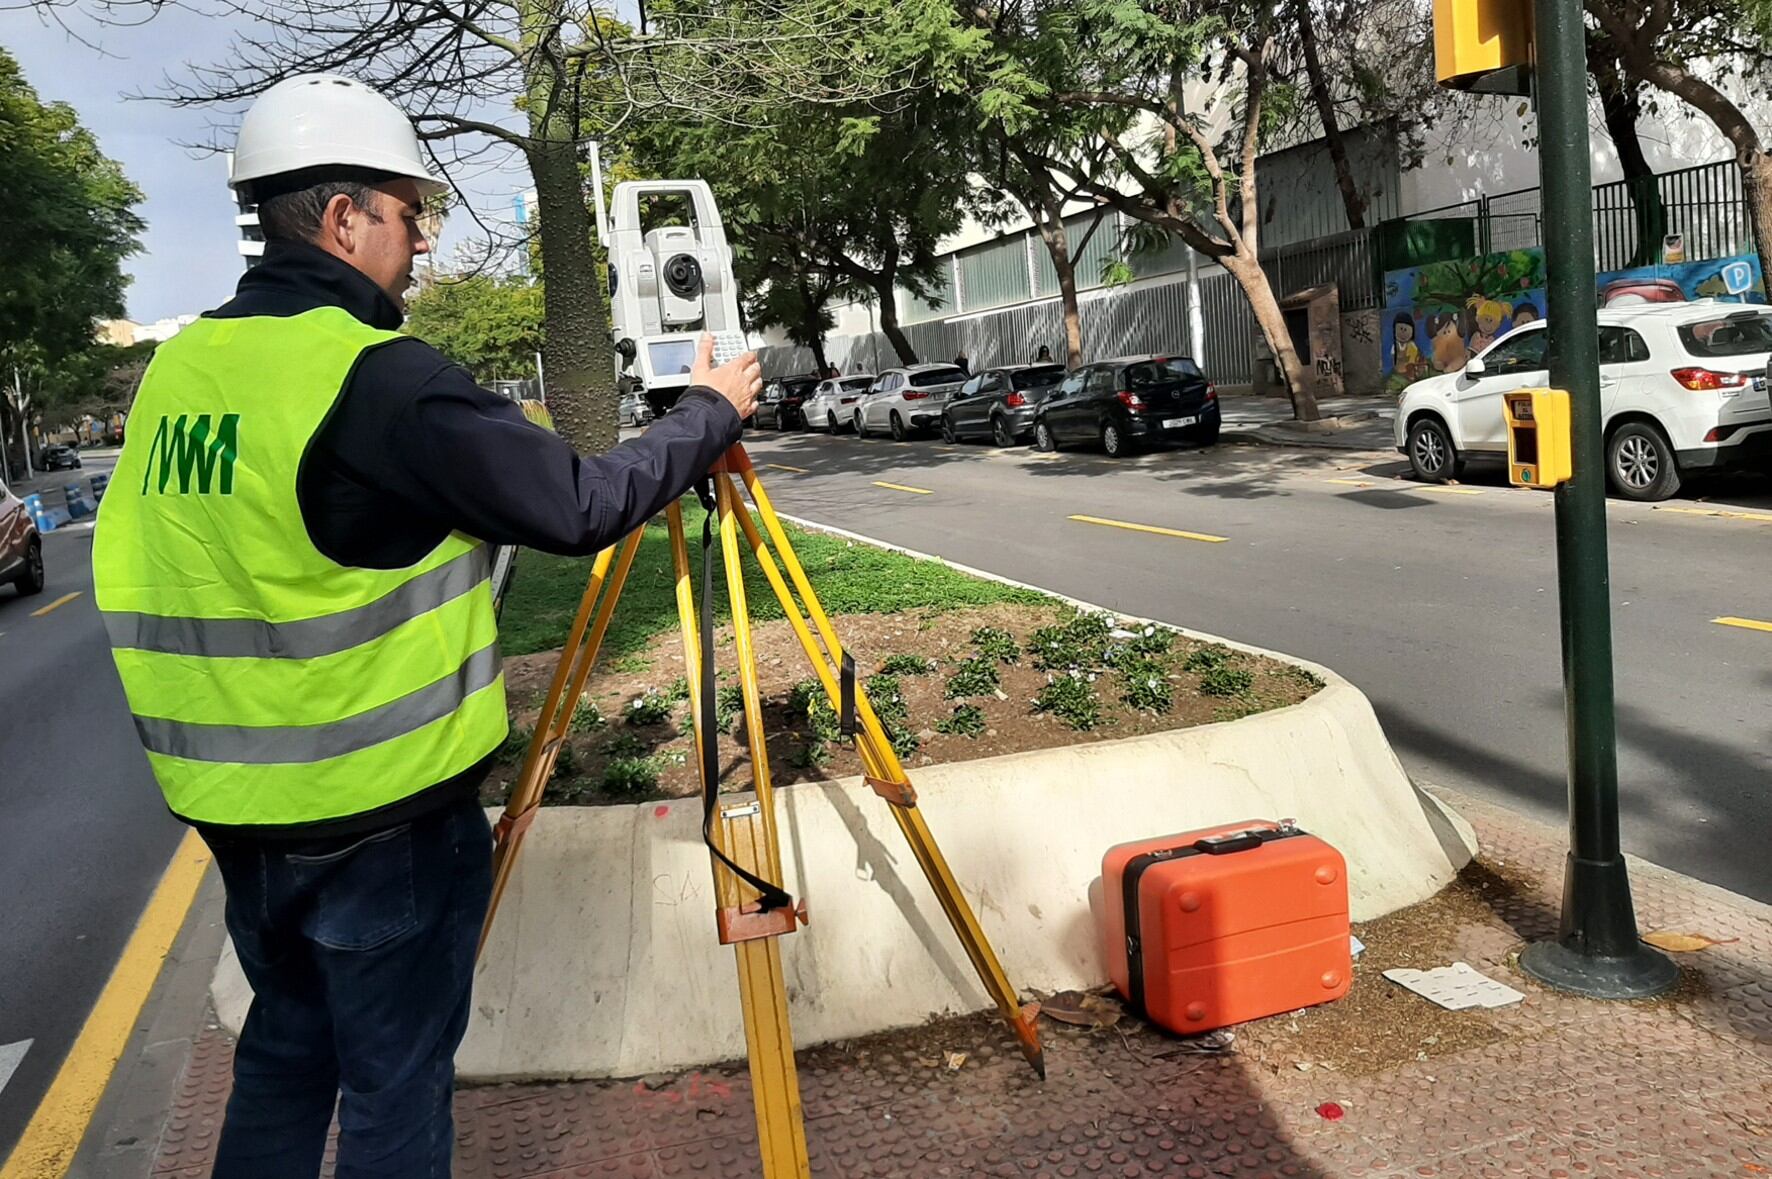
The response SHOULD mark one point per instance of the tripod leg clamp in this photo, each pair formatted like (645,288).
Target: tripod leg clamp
(745,923)
(510,826)
(896,793)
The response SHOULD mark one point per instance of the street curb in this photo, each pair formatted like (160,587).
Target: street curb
(1258,437)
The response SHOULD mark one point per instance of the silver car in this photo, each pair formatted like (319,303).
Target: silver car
(907,400)
(832,405)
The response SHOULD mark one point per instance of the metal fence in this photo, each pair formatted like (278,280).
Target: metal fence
(1342,259)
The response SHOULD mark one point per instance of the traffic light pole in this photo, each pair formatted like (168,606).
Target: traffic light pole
(1597,951)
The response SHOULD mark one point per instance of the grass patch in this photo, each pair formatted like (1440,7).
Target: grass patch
(996,644)
(1144,685)
(1207,659)
(907,665)
(1226,681)
(886,694)
(630,775)
(1077,645)
(586,718)
(850,578)
(1072,699)
(649,708)
(728,707)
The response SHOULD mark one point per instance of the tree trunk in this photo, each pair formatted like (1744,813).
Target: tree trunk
(1351,200)
(1272,322)
(901,343)
(1058,247)
(1621,105)
(818,354)
(1756,190)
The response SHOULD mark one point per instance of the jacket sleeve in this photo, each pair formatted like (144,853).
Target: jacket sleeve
(471,459)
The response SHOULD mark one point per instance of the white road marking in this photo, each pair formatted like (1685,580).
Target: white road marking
(10,1056)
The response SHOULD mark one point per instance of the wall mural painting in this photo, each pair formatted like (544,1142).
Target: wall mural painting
(1436,317)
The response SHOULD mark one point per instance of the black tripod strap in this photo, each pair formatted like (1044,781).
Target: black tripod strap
(773,896)
(846,696)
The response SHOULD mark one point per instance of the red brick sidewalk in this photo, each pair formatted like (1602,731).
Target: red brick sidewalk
(1552,1087)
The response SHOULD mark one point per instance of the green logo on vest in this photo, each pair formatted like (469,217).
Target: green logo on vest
(198,447)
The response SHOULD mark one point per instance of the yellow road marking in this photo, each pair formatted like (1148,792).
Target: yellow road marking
(1744,623)
(785,467)
(1718,512)
(47,1146)
(1209,539)
(902,487)
(1349,482)
(1450,490)
(55,605)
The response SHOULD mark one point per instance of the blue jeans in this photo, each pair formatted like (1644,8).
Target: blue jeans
(360,952)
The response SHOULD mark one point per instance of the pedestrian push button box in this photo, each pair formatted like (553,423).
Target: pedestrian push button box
(1538,448)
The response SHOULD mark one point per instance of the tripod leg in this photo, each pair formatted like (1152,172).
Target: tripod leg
(881,762)
(745,832)
(555,718)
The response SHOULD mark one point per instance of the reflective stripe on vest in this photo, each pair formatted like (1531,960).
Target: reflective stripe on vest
(271,685)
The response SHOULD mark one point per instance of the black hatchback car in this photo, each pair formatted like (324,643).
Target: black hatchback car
(781,402)
(59,458)
(999,403)
(1130,402)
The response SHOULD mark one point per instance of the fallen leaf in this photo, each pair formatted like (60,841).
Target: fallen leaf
(956,1061)
(1684,943)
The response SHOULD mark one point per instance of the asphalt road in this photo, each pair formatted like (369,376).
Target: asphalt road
(1441,604)
(83,833)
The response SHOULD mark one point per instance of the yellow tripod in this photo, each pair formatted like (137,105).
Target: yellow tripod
(752,911)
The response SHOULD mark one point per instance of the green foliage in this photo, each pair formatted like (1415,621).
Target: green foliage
(966,721)
(490,326)
(1144,685)
(630,775)
(728,708)
(975,676)
(510,751)
(1304,678)
(677,690)
(648,708)
(886,695)
(1226,681)
(1079,644)
(851,579)
(70,222)
(808,700)
(1071,698)
(624,745)
(995,643)
(586,718)
(1206,659)
(906,664)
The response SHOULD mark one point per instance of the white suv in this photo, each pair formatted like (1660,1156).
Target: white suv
(904,400)
(1683,388)
(832,405)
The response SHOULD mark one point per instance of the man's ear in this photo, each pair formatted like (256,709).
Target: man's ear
(337,230)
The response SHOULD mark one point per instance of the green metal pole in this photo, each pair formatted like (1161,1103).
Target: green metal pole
(1597,951)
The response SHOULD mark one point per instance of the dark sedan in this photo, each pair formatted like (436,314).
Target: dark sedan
(999,403)
(1121,405)
(59,458)
(779,407)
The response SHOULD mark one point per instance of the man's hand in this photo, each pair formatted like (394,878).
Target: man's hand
(740,381)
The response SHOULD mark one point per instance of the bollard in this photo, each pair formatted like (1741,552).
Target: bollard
(78,505)
(99,482)
(39,514)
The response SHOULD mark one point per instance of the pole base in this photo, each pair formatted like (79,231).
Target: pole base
(1641,974)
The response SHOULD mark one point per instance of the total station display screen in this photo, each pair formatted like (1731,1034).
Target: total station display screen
(671,358)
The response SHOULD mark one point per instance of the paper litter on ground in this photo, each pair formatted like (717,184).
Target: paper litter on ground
(1457,987)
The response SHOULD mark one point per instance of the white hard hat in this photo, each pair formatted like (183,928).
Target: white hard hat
(316,120)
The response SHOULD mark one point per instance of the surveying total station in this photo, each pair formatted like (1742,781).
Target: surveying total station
(672,281)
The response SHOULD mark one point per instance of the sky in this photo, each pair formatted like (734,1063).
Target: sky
(189,262)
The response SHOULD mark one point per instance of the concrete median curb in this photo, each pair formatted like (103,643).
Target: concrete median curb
(604,961)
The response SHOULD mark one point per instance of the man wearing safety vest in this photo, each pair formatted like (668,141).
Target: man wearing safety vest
(292,567)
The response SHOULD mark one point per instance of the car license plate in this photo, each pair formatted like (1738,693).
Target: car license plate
(1178,423)
(1759,384)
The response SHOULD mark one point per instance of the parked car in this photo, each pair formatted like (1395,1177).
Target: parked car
(906,400)
(1682,389)
(59,457)
(779,406)
(1130,402)
(831,406)
(999,403)
(634,410)
(21,548)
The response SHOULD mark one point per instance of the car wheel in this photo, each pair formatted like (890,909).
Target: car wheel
(1000,433)
(31,580)
(1113,440)
(831,419)
(1205,435)
(898,431)
(861,425)
(1431,452)
(805,422)
(1043,439)
(1640,464)
(947,430)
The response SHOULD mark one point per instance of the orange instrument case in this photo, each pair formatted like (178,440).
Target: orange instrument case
(1233,923)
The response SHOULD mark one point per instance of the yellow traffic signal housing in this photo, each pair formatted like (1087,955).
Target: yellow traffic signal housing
(1483,44)
(1538,447)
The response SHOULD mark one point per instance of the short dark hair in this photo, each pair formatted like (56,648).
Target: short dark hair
(291,206)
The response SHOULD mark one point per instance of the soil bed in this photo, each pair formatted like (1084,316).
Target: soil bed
(618,756)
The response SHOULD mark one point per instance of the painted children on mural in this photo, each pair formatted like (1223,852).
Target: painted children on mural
(1449,352)
(1524,314)
(1492,323)
(1406,358)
